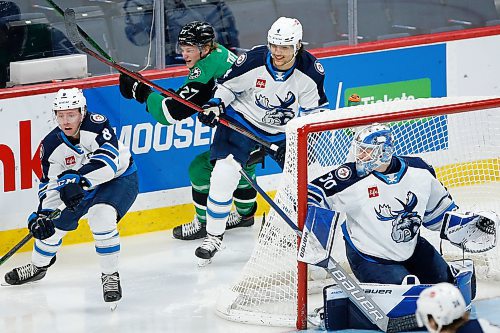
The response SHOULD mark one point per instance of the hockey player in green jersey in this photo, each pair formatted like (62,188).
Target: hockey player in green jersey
(206,60)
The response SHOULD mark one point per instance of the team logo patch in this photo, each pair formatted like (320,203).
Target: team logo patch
(97,118)
(319,67)
(241,59)
(343,173)
(70,160)
(195,73)
(261,83)
(372,192)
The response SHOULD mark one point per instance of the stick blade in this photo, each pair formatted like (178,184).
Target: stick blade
(72,28)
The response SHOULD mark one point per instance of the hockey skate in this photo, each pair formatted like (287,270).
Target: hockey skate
(27,273)
(235,220)
(205,252)
(190,231)
(112,291)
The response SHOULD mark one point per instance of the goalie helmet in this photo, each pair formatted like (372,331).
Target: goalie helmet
(285,31)
(72,98)
(197,34)
(443,302)
(373,147)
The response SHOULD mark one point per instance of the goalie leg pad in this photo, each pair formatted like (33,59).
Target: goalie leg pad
(224,181)
(102,222)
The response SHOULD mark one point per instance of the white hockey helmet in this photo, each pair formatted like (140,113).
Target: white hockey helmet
(373,146)
(444,302)
(67,99)
(285,31)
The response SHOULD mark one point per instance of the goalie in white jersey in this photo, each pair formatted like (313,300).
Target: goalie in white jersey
(88,169)
(386,199)
(264,89)
(441,308)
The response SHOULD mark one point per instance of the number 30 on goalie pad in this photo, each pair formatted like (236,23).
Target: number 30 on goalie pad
(473,232)
(317,236)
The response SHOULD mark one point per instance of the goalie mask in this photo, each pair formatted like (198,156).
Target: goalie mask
(373,147)
(443,302)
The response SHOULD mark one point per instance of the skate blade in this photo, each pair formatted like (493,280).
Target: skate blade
(204,262)
(113,305)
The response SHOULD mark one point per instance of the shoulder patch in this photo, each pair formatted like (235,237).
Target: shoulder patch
(319,67)
(97,118)
(241,59)
(195,73)
(343,173)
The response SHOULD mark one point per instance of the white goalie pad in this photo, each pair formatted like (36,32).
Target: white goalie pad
(317,236)
(472,232)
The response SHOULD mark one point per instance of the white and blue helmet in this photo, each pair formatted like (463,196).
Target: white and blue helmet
(373,147)
(443,302)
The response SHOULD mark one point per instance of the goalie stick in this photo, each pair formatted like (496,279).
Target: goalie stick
(74,36)
(54,215)
(83,33)
(350,287)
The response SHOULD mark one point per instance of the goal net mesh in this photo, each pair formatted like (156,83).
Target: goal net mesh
(463,148)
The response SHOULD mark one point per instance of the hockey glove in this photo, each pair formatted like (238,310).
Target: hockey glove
(40,226)
(131,88)
(211,112)
(70,184)
(279,155)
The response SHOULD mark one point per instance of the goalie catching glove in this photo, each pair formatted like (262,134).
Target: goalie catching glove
(211,112)
(472,232)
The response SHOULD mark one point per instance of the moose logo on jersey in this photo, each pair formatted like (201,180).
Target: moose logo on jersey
(405,222)
(277,114)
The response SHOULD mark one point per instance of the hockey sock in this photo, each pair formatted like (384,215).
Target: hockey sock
(45,250)
(224,181)
(200,204)
(102,221)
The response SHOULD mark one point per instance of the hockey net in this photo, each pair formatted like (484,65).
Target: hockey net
(459,137)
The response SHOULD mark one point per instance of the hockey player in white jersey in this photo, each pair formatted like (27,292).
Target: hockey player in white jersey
(85,167)
(441,308)
(386,199)
(264,89)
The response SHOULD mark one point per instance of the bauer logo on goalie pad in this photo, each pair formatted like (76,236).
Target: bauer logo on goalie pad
(317,237)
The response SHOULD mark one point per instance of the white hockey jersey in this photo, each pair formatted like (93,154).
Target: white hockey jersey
(384,211)
(99,156)
(259,96)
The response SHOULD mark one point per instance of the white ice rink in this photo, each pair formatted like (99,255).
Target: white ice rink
(163,289)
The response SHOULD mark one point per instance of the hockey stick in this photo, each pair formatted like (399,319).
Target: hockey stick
(349,286)
(54,215)
(74,37)
(83,33)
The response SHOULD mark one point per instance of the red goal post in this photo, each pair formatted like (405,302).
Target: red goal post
(273,287)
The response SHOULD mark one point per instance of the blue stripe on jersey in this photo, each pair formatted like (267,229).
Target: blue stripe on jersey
(111,148)
(437,206)
(279,76)
(106,160)
(231,113)
(439,218)
(318,192)
(107,250)
(69,144)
